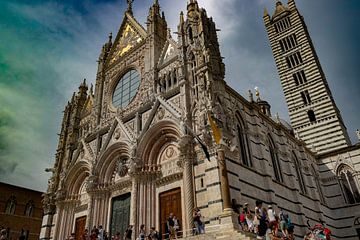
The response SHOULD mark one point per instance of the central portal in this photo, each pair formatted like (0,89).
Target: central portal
(120,214)
(80,227)
(170,202)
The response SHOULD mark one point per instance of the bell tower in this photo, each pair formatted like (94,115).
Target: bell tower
(312,109)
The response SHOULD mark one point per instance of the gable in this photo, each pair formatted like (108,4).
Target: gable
(130,35)
(169,52)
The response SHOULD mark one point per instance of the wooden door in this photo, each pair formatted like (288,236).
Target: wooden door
(80,227)
(170,202)
(120,214)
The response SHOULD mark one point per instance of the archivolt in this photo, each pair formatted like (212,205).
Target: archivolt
(107,163)
(161,133)
(76,176)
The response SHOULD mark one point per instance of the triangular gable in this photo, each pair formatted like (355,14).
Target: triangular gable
(118,128)
(130,34)
(169,52)
(160,105)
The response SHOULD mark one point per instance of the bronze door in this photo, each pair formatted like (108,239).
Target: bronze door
(120,214)
(80,227)
(170,202)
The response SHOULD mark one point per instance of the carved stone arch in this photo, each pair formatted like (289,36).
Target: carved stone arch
(343,167)
(195,115)
(240,132)
(240,118)
(76,177)
(190,55)
(106,166)
(274,155)
(270,141)
(157,136)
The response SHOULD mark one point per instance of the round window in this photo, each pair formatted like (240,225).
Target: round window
(126,89)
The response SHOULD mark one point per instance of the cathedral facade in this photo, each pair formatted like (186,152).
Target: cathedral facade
(163,133)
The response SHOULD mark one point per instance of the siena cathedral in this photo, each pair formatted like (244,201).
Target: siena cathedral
(163,133)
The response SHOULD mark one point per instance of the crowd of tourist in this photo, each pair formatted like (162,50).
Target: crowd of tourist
(266,223)
(172,230)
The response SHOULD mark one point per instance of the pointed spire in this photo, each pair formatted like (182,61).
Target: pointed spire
(129,9)
(266,13)
(110,37)
(181,17)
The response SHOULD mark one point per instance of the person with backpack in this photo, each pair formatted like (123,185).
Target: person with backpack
(154,235)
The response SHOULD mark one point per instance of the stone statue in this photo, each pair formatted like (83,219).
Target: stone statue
(122,168)
(358,134)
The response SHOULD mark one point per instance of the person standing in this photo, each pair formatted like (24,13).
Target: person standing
(176,226)
(101,233)
(142,234)
(260,220)
(198,222)
(154,235)
(249,218)
(171,226)
(86,236)
(128,232)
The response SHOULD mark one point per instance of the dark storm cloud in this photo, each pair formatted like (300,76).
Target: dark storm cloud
(48,47)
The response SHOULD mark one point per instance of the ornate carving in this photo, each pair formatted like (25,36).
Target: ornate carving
(161,114)
(117,134)
(122,167)
(91,183)
(169,152)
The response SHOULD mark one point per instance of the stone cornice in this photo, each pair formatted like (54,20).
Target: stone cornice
(169,179)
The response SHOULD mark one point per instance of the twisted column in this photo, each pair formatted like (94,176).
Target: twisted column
(133,204)
(187,155)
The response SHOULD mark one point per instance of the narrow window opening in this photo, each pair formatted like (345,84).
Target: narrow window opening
(311,115)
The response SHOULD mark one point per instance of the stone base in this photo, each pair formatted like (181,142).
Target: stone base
(229,221)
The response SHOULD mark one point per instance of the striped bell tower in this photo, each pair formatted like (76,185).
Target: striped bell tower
(312,109)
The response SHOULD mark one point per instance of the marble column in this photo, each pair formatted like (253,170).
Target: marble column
(228,218)
(133,204)
(187,157)
(225,188)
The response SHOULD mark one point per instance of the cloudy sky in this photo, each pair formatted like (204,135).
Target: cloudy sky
(48,46)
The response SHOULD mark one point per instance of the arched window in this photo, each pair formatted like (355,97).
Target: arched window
(193,76)
(175,77)
(299,174)
(349,185)
(317,182)
(275,160)
(169,84)
(243,142)
(29,209)
(190,34)
(10,205)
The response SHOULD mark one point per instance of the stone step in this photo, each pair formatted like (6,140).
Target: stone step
(219,235)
